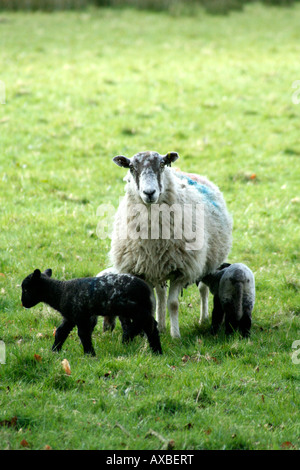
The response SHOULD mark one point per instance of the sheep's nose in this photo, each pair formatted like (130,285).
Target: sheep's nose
(149,193)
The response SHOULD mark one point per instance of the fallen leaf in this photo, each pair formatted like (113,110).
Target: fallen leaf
(253,176)
(66,366)
(24,443)
(38,358)
(47,447)
(207,431)
(2,275)
(287,445)
(171,444)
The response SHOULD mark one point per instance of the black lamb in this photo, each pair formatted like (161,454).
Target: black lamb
(233,287)
(81,301)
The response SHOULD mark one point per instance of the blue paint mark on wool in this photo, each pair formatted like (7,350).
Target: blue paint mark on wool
(207,192)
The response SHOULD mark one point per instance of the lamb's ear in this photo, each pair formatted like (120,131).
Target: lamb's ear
(36,273)
(171,157)
(120,160)
(224,265)
(48,272)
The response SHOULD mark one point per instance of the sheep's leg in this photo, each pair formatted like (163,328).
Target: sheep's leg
(127,328)
(109,323)
(217,316)
(61,334)
(85,330)
(161,292)
(151,330)
(231,320)
(203,289)
(245,321)
(173,306)
(146,323)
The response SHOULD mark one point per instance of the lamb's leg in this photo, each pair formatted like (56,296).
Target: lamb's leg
(127,328)
(109,323)
(245,321)
(147,323)
(203,289)
(61,334)
(151,330)
(217,316)
(161,292)
(231,320)
(173,306)
(85,329)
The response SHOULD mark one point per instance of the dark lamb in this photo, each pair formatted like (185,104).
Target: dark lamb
(233,287)
(81,301)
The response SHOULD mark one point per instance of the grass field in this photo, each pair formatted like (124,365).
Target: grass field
(82,87)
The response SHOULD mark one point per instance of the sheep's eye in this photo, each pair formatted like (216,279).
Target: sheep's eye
(131,168)
(162,164)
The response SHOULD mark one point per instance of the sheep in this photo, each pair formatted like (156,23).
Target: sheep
(170,226)
(81,300)
(233,287)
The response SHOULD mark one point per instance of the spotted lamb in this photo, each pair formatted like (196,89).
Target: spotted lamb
(81,300)
(233,287)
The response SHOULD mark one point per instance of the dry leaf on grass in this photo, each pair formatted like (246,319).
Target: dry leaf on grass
(287,445)
(66,366)
(24,443)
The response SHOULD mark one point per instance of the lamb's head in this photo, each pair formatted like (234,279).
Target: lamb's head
(146,172)
(32,287)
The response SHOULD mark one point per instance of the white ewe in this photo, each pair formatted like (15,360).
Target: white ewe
(170,226)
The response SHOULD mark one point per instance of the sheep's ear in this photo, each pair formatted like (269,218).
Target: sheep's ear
(48,272)
(36,273)
(223,266)
(120,160)
(171,157)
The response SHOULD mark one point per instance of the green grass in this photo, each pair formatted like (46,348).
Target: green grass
(82,87)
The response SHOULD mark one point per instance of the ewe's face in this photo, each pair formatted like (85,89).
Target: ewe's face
(147,172)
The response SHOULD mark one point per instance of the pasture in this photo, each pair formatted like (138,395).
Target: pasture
(82,87)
